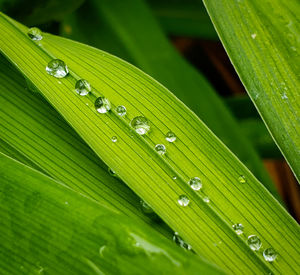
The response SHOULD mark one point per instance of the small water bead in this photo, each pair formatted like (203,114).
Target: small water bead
(114,139)
(121,110)
(112,172)
(35,34)
(82,87)
(238,228)
(57,68)
(254,242)
(206,199)
(242,179)
(160,149)
(183,200)
(140,124)
(170,136)
(195,183)
(174,178)
(270,254)
(179,241)
(102,105)
(146,208)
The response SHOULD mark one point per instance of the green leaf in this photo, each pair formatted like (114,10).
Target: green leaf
(46,227)
(207,226)
(183,18)
(262,41)
(136,33)
(33,133)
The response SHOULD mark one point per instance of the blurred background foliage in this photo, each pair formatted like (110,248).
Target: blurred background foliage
(175,42)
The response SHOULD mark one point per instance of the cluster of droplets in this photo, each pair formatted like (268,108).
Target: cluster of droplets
(179,241)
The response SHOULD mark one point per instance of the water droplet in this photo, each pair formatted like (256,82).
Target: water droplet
(140,124)
(195,183)
(206,199)
(179,241)
(112,172)
(121,110)
(160,149)
(254,242)
(238,228)
(102,105)
(57,68)
(114,139)
(174,178)
(35,34)
(170,136)
(82,87)
(242,179)
(270,254)
(183,200)
(253,35)
(146,208)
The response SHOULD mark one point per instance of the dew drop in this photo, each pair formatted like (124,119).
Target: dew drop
(114,139)
(179,241)
(160,149)
(253,35)
(112,172)
(270,254)
(102,105)
(170,136)
(254,242)
(82,87)
(57,68)
(242,179)
(183,200)
(35,34)
(238,228)
(195,183)
(206,199)
(121,110)
(146,208)
(140,124)
(174,178)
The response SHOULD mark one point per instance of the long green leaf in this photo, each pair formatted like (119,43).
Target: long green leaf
(206,225)
(33,133)
(46,228)
(262,38)
(131,29)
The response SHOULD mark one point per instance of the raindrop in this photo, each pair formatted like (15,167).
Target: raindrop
(183,200)
(114,139)
(35,34)
(254,242)
(195,183)
(170,136)
(179,241)
(112,172)
(102,105)
(146,208)
(174,178)
(57,68)
(160,149)
(242,179)
(121,110)
(270,254)
(238,228)
(206,199)
(140,124)
(82,87)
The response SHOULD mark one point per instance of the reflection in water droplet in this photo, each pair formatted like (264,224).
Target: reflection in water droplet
(254,242)
(238,228)
(195,183)
(121,110)
(160,149)
(179,241)
(140,124)
(57,68)
(170,136)
(270,254)
(114,139)
(206,199)
(183,200)
(242,179)
(82,87)
(102,105)
(35,34)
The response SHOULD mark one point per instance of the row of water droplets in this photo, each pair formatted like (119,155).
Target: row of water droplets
(141,125)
